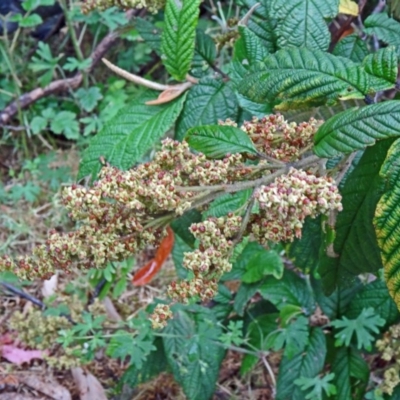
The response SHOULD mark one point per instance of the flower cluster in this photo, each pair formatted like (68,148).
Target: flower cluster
(41,331)
(124,211)
(389,345)
(285,203)
(152,5)
(278,138)
(207,264)
(113,214)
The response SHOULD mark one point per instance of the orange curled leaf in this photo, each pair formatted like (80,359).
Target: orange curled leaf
(147,273)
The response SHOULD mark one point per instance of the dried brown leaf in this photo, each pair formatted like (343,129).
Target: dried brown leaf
(89,387)
(46,385)
(170,94)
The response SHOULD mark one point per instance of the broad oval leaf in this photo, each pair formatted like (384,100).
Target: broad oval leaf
(335,305)
(347,364)
(294,77)
(218,140)
(204,54)
(387,221)
(130,134)
(177,42)
(261,264)
(355,129)
(262,22)
(249,48)
(355,247)
(353,47)
(149,33)
(305,251)
(291,289)
(301,23)
(375,295)
(307,363)
(385,28)
(208,102)
(192,349)
(227,203)
(382,66)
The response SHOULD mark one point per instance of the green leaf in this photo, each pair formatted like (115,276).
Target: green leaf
(177,42)
(319,386)
(192,351)
(351,372)
(88,98)
(382,65)
(385,28)
(362,327)
(44,61)
(30,5)
(208,102)
(244,294)
(293,338)
(353,47)
(258,333)
(73,64)
(125,139)
(218,140)
(357,128)
(38,124)
(182,224)
(233,335)
(149,33)
(124,344)
(227,203)
(305,251)
(355,245)
(301,23)
(262,22)
(307,363)
(249,48)
(65,122)
(112,17)
(204,54)
(246,291)
(386,221)
(30,192)
(240,265)
(153,365)
(376,296)
(297,77)
(119,288)
(291,289)
(30,21)
(263,263)
(222,303)
(178,252)
(251,109)
(336,304)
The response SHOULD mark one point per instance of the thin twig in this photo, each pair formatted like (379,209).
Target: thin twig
(235,187)
(245,219)
(134,78)
(270,159)
(60,85)
(379,7)
(245,20)
(14,128)
(33,300)
(22,294)
(344,166)
(271,373)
